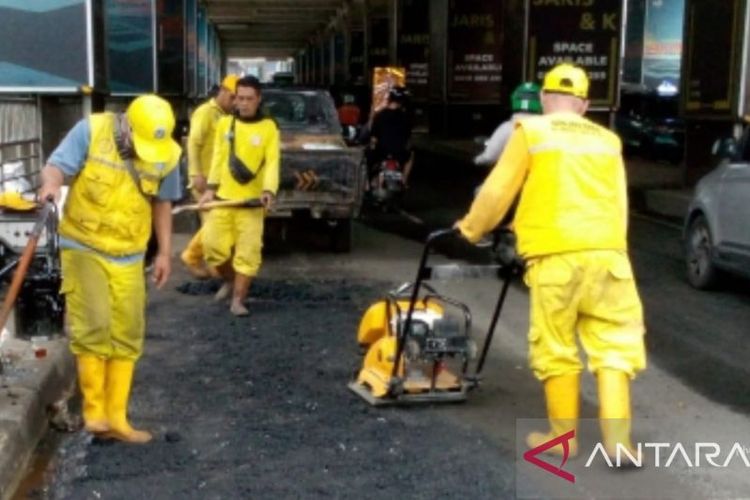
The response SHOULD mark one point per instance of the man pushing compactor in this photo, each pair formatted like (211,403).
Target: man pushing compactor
(571,225)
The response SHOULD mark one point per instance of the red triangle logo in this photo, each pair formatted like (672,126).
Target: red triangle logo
(531,456)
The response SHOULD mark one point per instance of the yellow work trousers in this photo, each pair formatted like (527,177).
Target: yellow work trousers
(589,294)
(105,305)
(238,229)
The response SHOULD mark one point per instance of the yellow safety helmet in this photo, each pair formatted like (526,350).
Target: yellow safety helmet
(152,122)
(566,78)
(230,83)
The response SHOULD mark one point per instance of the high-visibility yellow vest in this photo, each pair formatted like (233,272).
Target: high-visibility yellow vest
(575,195)
(105,209)
(201,138)
(257,144)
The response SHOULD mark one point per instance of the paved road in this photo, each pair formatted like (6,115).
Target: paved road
(258,408)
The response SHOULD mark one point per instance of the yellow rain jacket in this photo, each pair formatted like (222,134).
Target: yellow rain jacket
(201,139)
(571,225)
(256,143)
(574,193)
(105,209)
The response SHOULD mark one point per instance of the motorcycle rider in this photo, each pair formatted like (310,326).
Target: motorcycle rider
(390,134)
(524,102)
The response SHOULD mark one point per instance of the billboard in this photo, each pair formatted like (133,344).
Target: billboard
(130,46)
(662,43)
(32,48)
(414,45)
(586,33)
(475,43)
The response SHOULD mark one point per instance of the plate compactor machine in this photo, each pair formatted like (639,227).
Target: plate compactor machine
(417,342)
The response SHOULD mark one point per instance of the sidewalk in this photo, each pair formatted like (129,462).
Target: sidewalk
(655,188)
(30,387)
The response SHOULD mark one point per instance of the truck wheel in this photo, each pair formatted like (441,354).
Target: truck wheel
(341,235)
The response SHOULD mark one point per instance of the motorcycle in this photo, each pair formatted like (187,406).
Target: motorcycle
(387,184)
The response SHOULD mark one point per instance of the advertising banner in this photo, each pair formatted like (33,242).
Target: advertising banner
(414,45)
(475,43)
(586,33)
(383,80)
(33,54)
(130,46)
(662,44)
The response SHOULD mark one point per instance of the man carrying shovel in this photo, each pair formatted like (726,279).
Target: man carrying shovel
(245,165)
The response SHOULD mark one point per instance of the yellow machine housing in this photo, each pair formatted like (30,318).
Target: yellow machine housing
(415,380)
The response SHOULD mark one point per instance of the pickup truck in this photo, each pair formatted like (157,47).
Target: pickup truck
(320,176)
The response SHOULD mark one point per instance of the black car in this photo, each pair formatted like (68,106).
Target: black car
(649,125)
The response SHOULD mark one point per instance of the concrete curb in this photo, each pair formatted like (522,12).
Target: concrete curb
(28,386)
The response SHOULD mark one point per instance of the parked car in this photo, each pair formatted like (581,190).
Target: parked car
(717,225)
(649,125)
(320,176)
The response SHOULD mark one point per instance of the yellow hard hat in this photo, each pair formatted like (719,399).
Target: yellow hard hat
(566,78)
(230,83)
(14,201)
(152,122)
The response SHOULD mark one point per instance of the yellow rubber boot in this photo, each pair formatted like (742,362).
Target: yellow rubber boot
(563,400)
(192,256)
(614,410)
(92,379)
(119,380)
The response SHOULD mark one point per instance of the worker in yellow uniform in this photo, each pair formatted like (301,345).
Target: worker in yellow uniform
(571,225)
(245,166)
(123,175)
(199,154)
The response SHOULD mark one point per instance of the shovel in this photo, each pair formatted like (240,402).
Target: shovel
(250,203)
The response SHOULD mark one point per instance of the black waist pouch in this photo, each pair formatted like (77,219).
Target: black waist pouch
(239,170)
(237,167)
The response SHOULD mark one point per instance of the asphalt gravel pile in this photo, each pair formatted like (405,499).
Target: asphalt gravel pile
(258,408)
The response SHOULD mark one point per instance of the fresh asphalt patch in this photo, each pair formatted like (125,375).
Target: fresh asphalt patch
(258,407)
